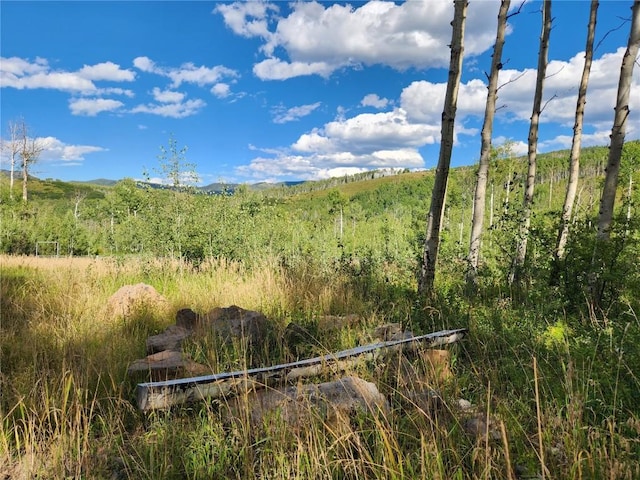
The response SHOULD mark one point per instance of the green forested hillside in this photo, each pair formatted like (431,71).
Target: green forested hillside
(384,215)
(374,219)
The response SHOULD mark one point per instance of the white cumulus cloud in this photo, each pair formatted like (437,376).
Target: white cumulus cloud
(90,107)
(167,96)
(424,101)
(186,73)
(22,73)
(221,90)
(190,73)
(106,71)
(561,93)
(247,19)
(373,100)
(364,142)
(172,110)
(276,69)
(21,67)
(64,81)
(144,64)
(319,166)
(111,91)
(379,131)
(292,114)
(57,150)
(393,138)
(317,38)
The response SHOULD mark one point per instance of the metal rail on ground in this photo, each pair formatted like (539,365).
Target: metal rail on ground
(164,394)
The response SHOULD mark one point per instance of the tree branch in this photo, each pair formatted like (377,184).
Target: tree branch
(517,11)
(554,74)
(547,102)
(625,20)
(511,81)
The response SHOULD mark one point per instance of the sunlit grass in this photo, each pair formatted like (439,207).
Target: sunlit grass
(67,408)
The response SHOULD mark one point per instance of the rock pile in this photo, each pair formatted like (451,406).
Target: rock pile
(165,359)
(333,402)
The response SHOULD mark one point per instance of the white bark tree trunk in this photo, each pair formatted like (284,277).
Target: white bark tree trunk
(574,162)
(12,147)
(618,131)
(434,221)
(607,200)
(525,223)
(30,149)
(485,149)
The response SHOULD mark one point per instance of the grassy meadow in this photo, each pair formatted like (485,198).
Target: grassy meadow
(563,393)
(555,371)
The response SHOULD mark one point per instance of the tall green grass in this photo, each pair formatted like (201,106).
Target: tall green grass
(561,393)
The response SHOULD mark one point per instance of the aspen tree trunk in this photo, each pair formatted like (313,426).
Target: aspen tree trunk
(619,128)
(607,200)
(574,162)
(432,238)
(491,207)
(25,175)
(30,149)
(626,233)
(525,223)
(485,149)
(506,195)
(13,148)
(11,175)
(24,154)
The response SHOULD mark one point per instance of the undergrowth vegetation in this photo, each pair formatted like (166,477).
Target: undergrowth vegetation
(561,386)
(555,372)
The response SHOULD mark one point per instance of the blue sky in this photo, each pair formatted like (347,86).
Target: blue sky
(271,91)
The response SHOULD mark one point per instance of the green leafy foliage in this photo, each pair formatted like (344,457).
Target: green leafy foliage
(368,221)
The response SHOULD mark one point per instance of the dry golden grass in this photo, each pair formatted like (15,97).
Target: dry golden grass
(64,355)
(67,408)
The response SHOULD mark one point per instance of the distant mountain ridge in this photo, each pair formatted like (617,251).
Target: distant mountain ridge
(212,188)
(103,182)
(217,187)
(552,165)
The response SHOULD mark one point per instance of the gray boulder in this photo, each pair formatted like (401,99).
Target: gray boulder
(235,323)
(330,402)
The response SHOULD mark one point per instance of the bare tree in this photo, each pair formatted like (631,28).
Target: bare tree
(432,239)
(618,132)
(574,162)
(485,148)
(11,147)
(78,197)
(29,150)
(525,223)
